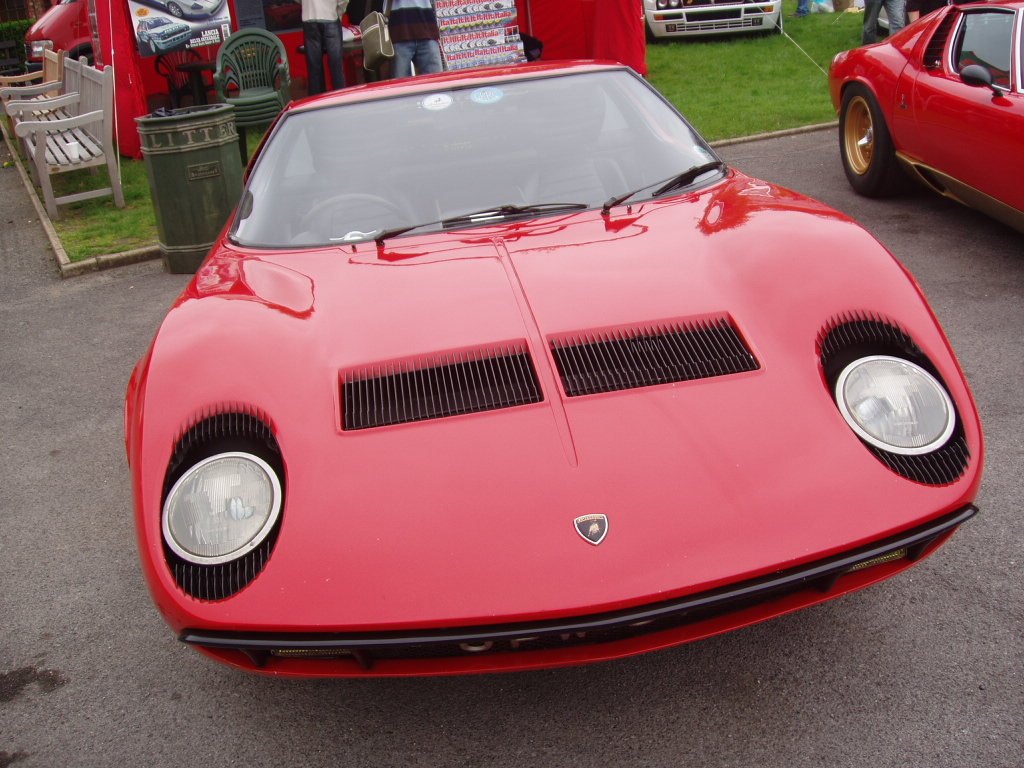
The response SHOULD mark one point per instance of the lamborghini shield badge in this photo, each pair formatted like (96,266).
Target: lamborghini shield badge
(593,528)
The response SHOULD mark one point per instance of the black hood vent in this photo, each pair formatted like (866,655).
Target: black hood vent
(444,385)
(647,355)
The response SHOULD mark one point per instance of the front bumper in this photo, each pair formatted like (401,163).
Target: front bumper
(713,19)
(582,639)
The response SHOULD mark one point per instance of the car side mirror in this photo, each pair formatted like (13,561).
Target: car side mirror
(978,76)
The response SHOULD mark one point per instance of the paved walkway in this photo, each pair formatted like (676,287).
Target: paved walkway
(927,669)
(24,249)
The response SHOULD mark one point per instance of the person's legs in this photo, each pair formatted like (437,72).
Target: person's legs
(333,49)
(803,8)
(870,31)
(314,57)
(401,65)
(896,10)
(427,57)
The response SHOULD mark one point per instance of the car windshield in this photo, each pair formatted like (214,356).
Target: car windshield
(348,173)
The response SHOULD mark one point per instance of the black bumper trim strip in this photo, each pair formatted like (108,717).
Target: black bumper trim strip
(715,601)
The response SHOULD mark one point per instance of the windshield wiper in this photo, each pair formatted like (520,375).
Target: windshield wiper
(483,216)
(666,185)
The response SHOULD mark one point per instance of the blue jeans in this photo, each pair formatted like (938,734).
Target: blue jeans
(894,9)
(323,37)
(803,7)
(425,54)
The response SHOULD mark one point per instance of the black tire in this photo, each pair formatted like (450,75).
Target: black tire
(869,157)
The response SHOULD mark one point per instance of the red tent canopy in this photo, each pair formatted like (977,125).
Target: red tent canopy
(587,29)
(569,29)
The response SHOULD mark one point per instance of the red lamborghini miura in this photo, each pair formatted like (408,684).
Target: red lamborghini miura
(505,370)
(941,101)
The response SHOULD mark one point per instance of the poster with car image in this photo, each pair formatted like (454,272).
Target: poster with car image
(162,26)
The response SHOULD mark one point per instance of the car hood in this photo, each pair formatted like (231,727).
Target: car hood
(468,519)
(55,21)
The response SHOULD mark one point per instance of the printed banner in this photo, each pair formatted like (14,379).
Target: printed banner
(162,26)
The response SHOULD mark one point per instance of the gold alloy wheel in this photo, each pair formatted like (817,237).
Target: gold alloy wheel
(858,135)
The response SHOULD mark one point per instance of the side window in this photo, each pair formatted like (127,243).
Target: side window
(986,39)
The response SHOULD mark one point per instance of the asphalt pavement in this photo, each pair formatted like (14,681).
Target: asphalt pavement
(924,670)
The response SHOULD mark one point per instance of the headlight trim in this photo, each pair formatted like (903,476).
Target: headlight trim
(254,541)
(877,442)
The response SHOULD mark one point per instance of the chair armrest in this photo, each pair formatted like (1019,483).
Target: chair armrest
(9,80)
(21,91)
(27,127)
(42,105)
(284,86)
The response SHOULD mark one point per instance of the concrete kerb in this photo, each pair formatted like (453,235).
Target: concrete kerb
(776,134)
(70,268)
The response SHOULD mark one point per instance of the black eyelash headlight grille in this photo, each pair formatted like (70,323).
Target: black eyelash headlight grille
(222,502)
(893,398)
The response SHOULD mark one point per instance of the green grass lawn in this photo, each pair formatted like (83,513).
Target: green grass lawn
(753,84)
(726,87)
(96,227)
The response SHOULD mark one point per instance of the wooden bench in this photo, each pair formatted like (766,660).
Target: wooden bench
(71,131)
(10,64)
(44,82)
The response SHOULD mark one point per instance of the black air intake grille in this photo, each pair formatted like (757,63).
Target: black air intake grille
(648,355)
(217,582)
(933,51)
(447,385)
(940,467)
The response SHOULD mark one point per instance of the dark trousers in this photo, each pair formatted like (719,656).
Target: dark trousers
(323,37)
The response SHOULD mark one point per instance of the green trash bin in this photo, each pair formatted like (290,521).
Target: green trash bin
(195,178)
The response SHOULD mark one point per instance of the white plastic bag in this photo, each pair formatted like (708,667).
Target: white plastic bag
(821,6)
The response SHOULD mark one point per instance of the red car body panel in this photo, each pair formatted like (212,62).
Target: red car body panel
(934,118)
(468,520)
(67,25)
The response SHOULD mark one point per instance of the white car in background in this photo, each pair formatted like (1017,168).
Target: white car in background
(667,19)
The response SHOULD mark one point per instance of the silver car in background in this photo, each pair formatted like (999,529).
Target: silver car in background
(691,18)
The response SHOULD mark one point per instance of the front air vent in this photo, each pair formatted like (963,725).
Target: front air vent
(440,386)
(227,427)
(218,582)
(851,336)
(652,354)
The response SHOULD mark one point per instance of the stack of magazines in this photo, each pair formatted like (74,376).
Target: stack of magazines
(479,34)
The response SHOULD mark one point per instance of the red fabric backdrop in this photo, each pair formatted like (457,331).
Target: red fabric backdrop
(588,29)
(570,29)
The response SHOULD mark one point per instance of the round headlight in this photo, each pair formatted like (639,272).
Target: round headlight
(221,508)
(895,405)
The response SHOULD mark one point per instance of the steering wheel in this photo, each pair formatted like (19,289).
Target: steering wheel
(356,205)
